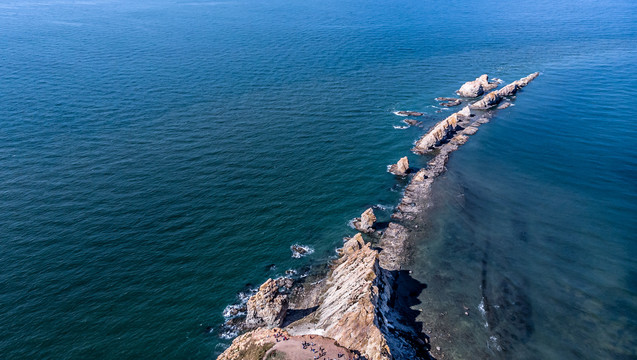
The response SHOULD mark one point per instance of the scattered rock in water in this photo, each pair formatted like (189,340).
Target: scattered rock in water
(446,99)
(412,122)
(298,251)
(267,307)
(365,223)
(400,168)
(450,103)
(476,87)
(409,113)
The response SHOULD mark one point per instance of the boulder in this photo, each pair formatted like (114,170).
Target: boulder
(476,87)
(267,307)
(400,168)
(446,99)
(365,223)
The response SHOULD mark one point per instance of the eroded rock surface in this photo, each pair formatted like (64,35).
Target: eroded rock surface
(401,167)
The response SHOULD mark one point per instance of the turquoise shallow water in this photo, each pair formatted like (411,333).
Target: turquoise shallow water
(158,157)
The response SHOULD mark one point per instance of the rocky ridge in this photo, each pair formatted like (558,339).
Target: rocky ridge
(361,302)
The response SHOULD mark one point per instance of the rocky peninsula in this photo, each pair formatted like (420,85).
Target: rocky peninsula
(362,307)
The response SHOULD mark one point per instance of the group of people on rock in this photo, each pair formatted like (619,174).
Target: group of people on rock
(280,336)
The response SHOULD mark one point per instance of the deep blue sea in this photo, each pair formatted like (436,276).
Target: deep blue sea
(159,157)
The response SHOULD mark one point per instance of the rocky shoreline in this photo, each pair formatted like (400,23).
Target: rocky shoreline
(362,307)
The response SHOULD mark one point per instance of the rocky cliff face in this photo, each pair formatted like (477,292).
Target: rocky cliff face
(349,311)
(267,307)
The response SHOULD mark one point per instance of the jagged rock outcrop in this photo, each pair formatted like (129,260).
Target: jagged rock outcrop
(267,307)
(349,310)
(509,90)
(401,167)
(465,112)
(476,87)
(437,134)
(488,101)
(365,223)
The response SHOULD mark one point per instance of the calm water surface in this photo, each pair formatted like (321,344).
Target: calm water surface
(158,157)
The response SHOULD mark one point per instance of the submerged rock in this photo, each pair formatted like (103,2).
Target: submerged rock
(409,113)
(451,103)
(365,223)
(504,105)
(412,122)
(400,168)
(267,307)
(298,251)
(465,112)
(476,87)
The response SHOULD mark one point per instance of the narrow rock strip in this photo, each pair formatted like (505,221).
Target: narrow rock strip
(361,309)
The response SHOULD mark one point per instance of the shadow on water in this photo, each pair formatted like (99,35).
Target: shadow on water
(405,336)
(507,309)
